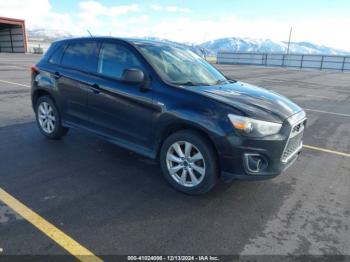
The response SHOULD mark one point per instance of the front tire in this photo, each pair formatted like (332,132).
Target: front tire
(189,162)
(48,118)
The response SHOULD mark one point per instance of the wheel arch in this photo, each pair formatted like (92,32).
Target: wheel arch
(39,93)
(172,128)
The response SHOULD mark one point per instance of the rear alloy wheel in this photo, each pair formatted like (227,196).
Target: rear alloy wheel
(188,162)
(48,118)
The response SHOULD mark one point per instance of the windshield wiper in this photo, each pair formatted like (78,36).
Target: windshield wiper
(221,81)
(230,80)
(225,81)
(189,83)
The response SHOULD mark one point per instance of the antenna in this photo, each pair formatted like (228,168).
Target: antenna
(89,32)
(290,36)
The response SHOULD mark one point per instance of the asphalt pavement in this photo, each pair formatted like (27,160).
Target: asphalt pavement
(113,201)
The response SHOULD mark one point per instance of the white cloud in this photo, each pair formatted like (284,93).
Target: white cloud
(129,21)
(171,8)
(95,17)
(87,16)
(325,31)
(174,8)
(36,15)
(94,8)
(156,7)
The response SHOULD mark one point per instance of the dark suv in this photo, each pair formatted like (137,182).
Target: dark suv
(163,101)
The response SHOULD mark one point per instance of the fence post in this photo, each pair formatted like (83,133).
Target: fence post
(11,39)
(321,62)
(342,68)
(282,60)
(302,60)
(266,59)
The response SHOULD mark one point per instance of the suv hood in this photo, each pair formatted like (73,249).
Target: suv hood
(252,101)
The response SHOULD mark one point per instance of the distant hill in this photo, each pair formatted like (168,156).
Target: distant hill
(46,35)
(267,46)
(211,48)
(195,48)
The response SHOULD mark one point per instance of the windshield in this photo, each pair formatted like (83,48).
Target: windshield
(180,66)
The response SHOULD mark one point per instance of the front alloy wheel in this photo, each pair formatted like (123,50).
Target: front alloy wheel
(189,162)
(185,164)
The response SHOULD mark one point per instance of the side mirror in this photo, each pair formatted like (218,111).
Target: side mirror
(133,76)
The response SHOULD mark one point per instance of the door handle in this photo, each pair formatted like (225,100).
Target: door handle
(56,75)
(95,88)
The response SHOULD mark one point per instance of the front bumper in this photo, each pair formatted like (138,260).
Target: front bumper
(244,175)
(238,153)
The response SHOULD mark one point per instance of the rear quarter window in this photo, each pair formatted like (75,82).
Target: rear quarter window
(56,56)
(81,55)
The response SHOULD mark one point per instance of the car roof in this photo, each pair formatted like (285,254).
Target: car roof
(132,41)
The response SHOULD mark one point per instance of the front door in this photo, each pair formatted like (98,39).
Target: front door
(117,109)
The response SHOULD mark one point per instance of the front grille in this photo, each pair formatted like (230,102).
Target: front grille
(294,142)
(293,145)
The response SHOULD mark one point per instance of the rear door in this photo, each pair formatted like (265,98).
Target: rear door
(118,109)
(78,61)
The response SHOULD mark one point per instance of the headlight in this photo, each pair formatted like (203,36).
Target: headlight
(253,127)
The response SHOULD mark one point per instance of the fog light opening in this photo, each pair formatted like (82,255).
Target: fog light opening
(255,163)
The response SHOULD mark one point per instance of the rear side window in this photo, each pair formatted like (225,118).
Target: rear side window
(80,56)
(57,55)
(114,59)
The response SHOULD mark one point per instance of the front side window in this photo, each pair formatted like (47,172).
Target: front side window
(80,55)
(114,59)
(180,66)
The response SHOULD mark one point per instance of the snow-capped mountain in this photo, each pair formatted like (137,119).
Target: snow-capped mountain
(211,48)
(195,48)
(256,45)
(267,46)
(46,34)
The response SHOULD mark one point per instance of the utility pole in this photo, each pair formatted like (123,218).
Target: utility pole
(290,36)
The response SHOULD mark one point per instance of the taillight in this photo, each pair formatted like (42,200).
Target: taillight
(34,70)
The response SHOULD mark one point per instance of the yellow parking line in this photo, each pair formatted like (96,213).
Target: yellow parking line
(13,83)
(327,150)
(69,244)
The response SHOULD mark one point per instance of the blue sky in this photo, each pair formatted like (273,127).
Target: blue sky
(245,9)
(322,22)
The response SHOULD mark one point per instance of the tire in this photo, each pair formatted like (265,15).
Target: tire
(46,109)
(199,161)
